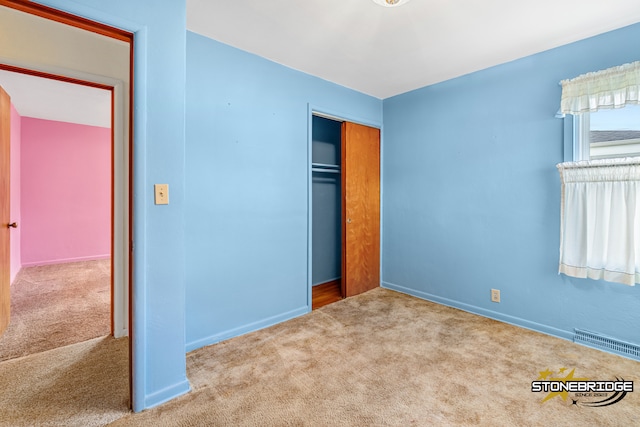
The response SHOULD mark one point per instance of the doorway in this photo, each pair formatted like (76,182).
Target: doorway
(49,42)
(345,209)
(60,212)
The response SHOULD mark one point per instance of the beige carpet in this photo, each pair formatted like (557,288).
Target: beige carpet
(83,385)
(57,305)
(388,359)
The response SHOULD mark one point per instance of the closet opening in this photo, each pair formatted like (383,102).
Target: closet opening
(326,205)
(344,209)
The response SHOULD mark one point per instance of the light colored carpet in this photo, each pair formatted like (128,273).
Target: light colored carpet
(84,385)
(388,359)
(57,305)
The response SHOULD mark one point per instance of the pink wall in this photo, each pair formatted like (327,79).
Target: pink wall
(14,190)
(65,191)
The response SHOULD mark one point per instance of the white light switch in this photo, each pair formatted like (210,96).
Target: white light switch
(162,194)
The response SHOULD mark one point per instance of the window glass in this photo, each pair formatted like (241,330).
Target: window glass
(613,133)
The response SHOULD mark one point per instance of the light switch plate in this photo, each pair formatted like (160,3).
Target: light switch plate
(162,194)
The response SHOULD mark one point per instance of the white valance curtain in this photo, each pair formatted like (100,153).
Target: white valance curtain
(611,88)
(600,220)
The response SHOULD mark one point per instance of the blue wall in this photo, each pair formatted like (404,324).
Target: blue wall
(327,201)
(472,195)
(159,363)
(247,187)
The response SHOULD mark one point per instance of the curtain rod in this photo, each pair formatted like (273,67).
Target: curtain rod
(629,161)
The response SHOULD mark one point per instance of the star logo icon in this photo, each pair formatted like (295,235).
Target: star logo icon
(544,374)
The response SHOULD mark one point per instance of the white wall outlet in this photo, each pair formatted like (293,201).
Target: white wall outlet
(495,295)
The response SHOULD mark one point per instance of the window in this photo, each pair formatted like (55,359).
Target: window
(600,204)
(607,134)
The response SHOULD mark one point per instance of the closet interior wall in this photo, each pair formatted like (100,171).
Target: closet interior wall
(326,201)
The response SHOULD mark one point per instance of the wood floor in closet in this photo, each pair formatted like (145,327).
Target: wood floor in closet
(326,293)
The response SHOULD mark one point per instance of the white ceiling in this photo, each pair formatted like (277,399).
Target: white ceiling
(43,98)
(387,51)
(358,44)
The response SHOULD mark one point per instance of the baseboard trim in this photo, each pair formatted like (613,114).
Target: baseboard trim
(326,281)
(66,260)
(241,330)
(13,279)
(512,320)
(166,394)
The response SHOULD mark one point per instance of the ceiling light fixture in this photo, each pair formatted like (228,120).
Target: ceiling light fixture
(390,3)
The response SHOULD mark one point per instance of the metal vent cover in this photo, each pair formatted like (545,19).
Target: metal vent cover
(606,343)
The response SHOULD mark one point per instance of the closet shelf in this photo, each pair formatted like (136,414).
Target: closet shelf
(325,170)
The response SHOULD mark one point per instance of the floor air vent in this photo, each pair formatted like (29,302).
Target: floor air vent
(606,343)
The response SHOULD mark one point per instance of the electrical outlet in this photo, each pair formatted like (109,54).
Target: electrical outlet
(495,295)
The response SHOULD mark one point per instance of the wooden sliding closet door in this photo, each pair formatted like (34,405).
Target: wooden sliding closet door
(360,208)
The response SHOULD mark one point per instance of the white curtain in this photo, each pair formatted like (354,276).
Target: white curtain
(600,220)
(611,88)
